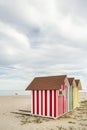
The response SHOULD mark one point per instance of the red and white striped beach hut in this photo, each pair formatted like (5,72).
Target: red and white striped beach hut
(48,96)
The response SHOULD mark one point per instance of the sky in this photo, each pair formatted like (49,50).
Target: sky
(42,38)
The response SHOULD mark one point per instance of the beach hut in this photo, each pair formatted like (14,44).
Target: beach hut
(48,95)
(76,89)
(72,93)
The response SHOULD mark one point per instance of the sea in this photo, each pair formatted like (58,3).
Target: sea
(13,92)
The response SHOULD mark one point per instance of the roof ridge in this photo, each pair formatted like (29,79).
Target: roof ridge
(51,76)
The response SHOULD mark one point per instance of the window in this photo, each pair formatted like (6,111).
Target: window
(60,92)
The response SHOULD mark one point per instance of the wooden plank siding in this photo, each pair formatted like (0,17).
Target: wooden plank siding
(75,97)
(48,103)
(67,97)
(70,98)
(44,103)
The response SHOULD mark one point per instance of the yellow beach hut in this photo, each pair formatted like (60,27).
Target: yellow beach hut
(75,91)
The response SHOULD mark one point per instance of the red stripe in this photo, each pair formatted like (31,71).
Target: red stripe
(37,102)
(41,102)
(33,101)
(45,102)
(54,103)
(50,102)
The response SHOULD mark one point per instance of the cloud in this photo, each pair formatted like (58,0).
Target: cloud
(59,17)
(42,37)
(14,45)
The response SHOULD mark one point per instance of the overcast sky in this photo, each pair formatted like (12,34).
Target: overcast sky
(41,38)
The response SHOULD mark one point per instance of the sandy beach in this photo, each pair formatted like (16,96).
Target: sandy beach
(9,120)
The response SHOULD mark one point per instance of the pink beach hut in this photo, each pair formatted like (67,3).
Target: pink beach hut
(48,96)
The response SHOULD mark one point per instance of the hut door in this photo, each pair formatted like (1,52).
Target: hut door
(60,104)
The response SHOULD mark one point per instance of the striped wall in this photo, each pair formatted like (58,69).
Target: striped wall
(44,103)
(47,103)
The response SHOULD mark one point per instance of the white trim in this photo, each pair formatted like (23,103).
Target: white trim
(39,102)
(32,101)
(48,103)
(43,102)
(52,103)
(68,99)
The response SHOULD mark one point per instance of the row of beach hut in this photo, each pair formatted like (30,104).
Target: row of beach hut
(53,96)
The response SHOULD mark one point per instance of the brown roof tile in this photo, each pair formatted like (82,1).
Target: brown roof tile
(47,83)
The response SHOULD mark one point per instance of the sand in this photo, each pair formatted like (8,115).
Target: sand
(9,120)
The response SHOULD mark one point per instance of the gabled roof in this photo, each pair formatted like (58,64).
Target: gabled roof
(71,81)
(77,81)
(78,84)
(47,83)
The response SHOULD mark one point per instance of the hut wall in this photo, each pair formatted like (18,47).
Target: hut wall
(60,105)
(67,99)
(44,103)
(48,103)
(62,102)
(70,98)
(75,97)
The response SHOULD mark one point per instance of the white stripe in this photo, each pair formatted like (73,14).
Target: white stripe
(35,100)
(56,103)
(48,103)
(43,102)
(39,102)
(32,101)
(52,103)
